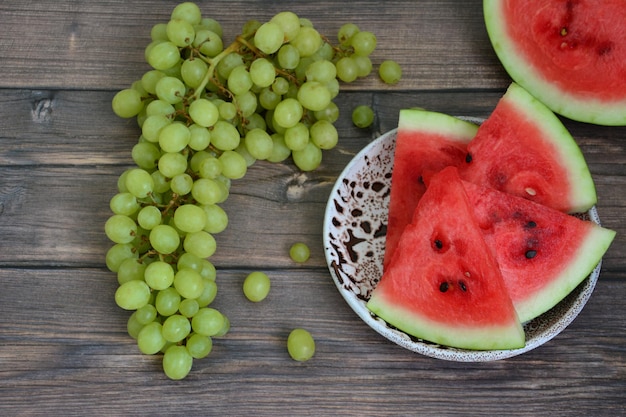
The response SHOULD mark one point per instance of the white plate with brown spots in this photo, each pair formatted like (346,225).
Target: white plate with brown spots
(354,244)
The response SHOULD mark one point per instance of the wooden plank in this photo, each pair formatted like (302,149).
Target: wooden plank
(66,328)
(440,44)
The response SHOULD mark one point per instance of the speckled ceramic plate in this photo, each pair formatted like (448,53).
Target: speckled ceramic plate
(354,243)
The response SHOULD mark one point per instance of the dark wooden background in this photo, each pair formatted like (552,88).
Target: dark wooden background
(63,344)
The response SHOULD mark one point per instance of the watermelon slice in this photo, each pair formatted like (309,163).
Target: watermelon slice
(571,55)
(444,284)
(524,149)
(543,254)
(426,142)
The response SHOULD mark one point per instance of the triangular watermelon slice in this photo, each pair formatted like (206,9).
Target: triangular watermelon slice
(571,55)
(426,142)
(543,254)
(524,149)
(444,284)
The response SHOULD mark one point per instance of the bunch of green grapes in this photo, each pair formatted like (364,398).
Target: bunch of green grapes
(207,112)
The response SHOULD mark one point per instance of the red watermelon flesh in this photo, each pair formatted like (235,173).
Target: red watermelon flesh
(426,142)
(524,149)
(570,54)
(444,284)
(543,254)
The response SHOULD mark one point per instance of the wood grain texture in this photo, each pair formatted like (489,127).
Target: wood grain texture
(64,350)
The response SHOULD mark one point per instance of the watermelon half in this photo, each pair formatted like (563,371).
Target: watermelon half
(444,284)
(524,149)
(570,54)
(543,254)
(426,142)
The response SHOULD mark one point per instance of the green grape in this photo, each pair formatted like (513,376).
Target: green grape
(161,183)
(324,134)
(308,158)
(227,110)
(347,69)
(167,301)
(172,164)
(363,42)
(200,137)
(139,182)
(210,168)
(199,346)
(188,283)
(193,71)
(124,203)
(187,11)
(133,326)
(189,261)
(280,151)
(206,191)
(120,228)
(209,293)
(189,218)
(189,307)
(207,321)
(152,126)
(288,113)
(227,63)
(239,80)
(243,151)
(163,56)
(158,32)
(201,244)
(146,314)
(170,89)
(289,22)
(288,57)
(326,52)
(208,271)
(362,116)
(174,137)
(150,340)
(180,32)
(132,295)
(250,26)
(127,103)
(176,328)
(164,239)
(322,71)
(225,136)
(149,217)
(269,37)
(330,113)
(259,143)
(233,165)
(216,218)
(268,99)
(225,328)
(256,121)
(299,252)
(145,155)
(300,345)
(247,103)
(177,362)
(280,86)
(307,41)
(181,184)
(149,80)
(212,25)
(159,275)
(117,254)
(262,72)
(129,270)
(363,64)
(346,32)
(208,42)
(297,137)
(256,286)
(203,112)
(390,72)
(314,96)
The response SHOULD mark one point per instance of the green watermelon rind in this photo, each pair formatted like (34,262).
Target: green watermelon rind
(583,194)
(574,106)
(586,258)
(450,127)
(462,337)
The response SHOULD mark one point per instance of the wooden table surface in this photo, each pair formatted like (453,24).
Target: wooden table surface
(64,349)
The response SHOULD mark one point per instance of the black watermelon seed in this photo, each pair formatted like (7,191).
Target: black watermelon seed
(531,254)
(462,286)
(438,244)
(531,225)
(443,287)
(468,158)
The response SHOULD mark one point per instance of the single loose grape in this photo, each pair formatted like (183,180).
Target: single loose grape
(390,72)
(256,286)
(299,252)
(300,345)
(362,116)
